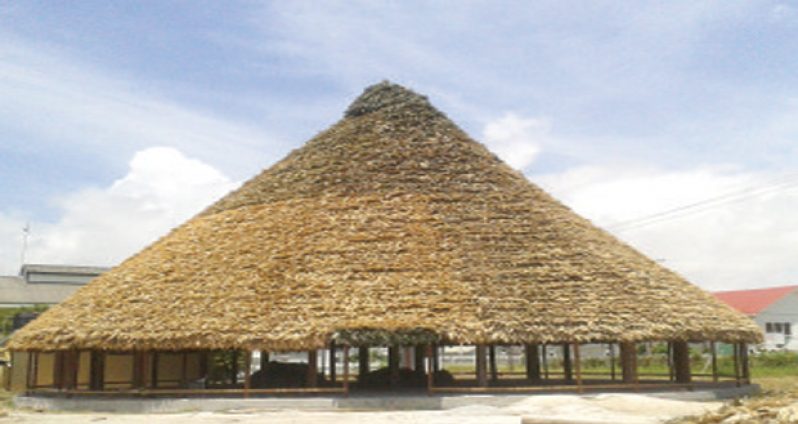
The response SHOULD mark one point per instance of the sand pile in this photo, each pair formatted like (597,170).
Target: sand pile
(772,408)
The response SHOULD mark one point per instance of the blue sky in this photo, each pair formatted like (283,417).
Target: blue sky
(622,110)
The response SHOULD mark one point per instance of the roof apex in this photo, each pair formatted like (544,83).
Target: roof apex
(387,96)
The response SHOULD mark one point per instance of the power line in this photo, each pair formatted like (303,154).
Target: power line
(775,186)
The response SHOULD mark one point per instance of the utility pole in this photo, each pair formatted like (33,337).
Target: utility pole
(25,234)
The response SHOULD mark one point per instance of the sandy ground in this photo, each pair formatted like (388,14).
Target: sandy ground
(614,408)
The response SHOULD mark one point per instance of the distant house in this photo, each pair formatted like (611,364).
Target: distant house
(774,309)
(44,284)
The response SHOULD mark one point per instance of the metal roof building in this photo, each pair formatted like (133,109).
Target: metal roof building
(39,284)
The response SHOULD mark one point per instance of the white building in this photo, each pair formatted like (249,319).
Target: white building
(774,309)
(44,284)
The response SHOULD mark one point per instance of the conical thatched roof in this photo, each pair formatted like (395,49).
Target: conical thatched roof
(392,219)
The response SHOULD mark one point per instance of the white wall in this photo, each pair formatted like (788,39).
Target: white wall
(783,310)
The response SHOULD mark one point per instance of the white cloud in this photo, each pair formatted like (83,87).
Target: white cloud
(514,139)
(745,240)
(102,226)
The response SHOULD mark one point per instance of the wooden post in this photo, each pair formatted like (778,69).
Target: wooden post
(420,356)
(184,370)
(58,370)
(494,373)
(29,375)
(681,361)
(362,360)
(532,362)
(745,363)
(393,365)
(154,371)
(264,360)
(97,370)
(332,362)
(313,363)
(203,365)
(430,369)
(637,371)
(736,364)
(482,375)
(629,362)
(234,368)
(714,353)
(138,369)
(669,360)
(436,356)
(74,369)
(247,373)
(545,356)
(407,357)
(346,370)
(611,348)
(578,366)
(567,366)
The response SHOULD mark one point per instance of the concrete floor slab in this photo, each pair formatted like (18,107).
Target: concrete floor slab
(378,402)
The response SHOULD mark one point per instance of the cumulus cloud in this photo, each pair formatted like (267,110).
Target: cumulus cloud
(515,139)
(745,238)
(102,226)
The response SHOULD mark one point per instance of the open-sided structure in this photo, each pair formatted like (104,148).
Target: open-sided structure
(391,228)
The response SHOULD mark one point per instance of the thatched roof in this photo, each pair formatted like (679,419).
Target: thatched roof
(392,219)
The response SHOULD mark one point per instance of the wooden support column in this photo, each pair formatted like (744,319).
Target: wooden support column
(30,375)
(184,370)
(234,368)
(139,364)
(532,354)
(418,366)
(58,370)
(482,374)
(746,370)
(545,361)
(203,366)
(714,352)
(247,373)
(154,371)
(407,357)
(264,360)
(430,369)
(494,373)
(313,370)
(669,360)
(363,360)
(681,362)
(346,370)
(578,366)
(73,370)
(629,362)
(737,372)
(611,348)
(393,365)
(332,362)
(97,370)
(567,366)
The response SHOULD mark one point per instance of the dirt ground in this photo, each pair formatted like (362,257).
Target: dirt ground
(610,408)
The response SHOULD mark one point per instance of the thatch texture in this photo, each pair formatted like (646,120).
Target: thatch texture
(392,219)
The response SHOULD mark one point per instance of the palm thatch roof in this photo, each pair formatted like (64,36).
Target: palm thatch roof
(393,220)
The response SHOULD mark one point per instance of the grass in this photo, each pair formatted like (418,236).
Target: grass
(770,367)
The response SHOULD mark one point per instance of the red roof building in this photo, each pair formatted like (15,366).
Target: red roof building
(752,302)
(775,310)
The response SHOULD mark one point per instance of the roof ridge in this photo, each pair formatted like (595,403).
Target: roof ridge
(794,286)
